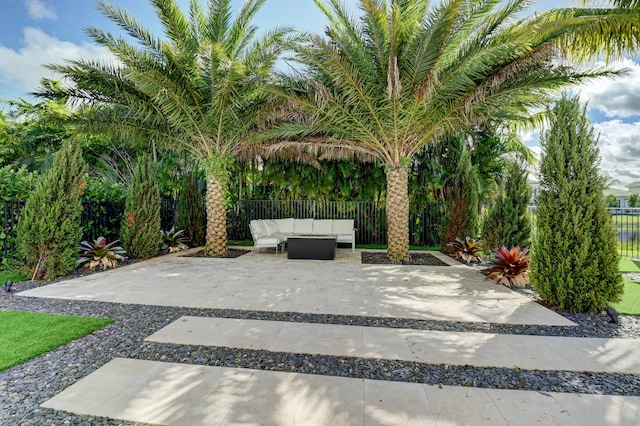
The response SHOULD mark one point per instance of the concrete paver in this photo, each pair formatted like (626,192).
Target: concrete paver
(343,287)
(434,347)
(178,394)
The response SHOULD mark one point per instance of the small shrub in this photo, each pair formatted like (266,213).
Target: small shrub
(510,267)
(49,228)
(174,240)
(574,259)
(191,214)
(17,184)
(461,201)
(99,253)
(141,233)
(508,222)
(468,249)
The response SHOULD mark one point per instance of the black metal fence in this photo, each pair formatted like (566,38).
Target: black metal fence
(425,221)
(104,219)
(626,223)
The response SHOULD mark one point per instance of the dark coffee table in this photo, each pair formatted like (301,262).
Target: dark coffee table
(320,247)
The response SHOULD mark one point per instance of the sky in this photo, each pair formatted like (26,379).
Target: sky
(38,32)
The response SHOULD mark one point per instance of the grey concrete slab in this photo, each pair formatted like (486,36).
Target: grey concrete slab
(345,287)
(178,394)
(435,347)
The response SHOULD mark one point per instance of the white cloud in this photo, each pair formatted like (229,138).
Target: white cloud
(38,10)
(619,145)
(22,69)
(619,97)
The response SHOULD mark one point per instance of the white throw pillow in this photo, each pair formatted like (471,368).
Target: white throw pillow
(259,227)
(285,226)
(272,226)
(322,227)
(343,226)
(303,226)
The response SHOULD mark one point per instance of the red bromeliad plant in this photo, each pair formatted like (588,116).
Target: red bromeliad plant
(510,267)
(466,249)
(99,253)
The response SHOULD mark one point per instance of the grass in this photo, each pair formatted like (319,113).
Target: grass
(629,265)
(10,275)
(25,335)
(630,303)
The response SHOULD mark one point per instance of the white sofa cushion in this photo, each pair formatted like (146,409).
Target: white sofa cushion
(322,227)
(342,226)
(303,226)
(285,226)
(267,241)
(258,227)
(271,226)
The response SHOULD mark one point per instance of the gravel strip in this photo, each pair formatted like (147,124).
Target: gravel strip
(27,385)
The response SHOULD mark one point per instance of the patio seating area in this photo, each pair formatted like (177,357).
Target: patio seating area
(267,340)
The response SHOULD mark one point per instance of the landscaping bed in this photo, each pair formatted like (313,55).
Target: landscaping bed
(380,258)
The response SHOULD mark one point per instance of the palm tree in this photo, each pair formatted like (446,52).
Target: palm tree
(404,75)
(200,88)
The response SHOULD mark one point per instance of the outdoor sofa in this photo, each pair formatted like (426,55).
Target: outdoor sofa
(274,232)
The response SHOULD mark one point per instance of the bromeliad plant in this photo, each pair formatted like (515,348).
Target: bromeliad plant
(174,240)
(99,253)
(467,249)
(510,267)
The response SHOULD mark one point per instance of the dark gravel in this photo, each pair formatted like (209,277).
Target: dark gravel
(231,254)
(24,387)
(417,259)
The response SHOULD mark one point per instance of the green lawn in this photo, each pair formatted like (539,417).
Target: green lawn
(630,303)
(13,276)
(26,335)
(629,265)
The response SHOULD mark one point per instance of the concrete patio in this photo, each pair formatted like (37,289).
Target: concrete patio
(174,393)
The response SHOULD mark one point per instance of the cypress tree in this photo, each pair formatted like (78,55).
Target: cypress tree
(49,228)
(140,233)
(574,263)
(508,222)
(191,214)
(462,202)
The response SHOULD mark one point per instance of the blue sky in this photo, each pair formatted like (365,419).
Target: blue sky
(37,32)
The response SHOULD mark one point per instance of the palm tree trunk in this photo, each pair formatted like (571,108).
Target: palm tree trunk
(398,213)
(216,218)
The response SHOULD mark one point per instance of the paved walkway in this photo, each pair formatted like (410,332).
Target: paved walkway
(179,394)
(433,347)
(170,393)
(344,287)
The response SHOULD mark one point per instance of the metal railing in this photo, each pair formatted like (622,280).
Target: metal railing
(626,223)
(370,220)
(425,221)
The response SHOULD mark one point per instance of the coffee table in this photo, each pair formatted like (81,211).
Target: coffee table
(319,247)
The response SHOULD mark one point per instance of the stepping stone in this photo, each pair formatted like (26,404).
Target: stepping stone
(434,347)
(179,394)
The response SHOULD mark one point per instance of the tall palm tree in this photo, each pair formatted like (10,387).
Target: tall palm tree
(199,88)
(405,74)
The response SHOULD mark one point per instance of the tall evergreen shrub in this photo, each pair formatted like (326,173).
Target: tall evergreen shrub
(574,263)
(140,233)
(191,213)
(508,222)
(462,202)
(49,229)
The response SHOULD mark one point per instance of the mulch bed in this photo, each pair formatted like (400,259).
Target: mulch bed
(419,259)
(231,254)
